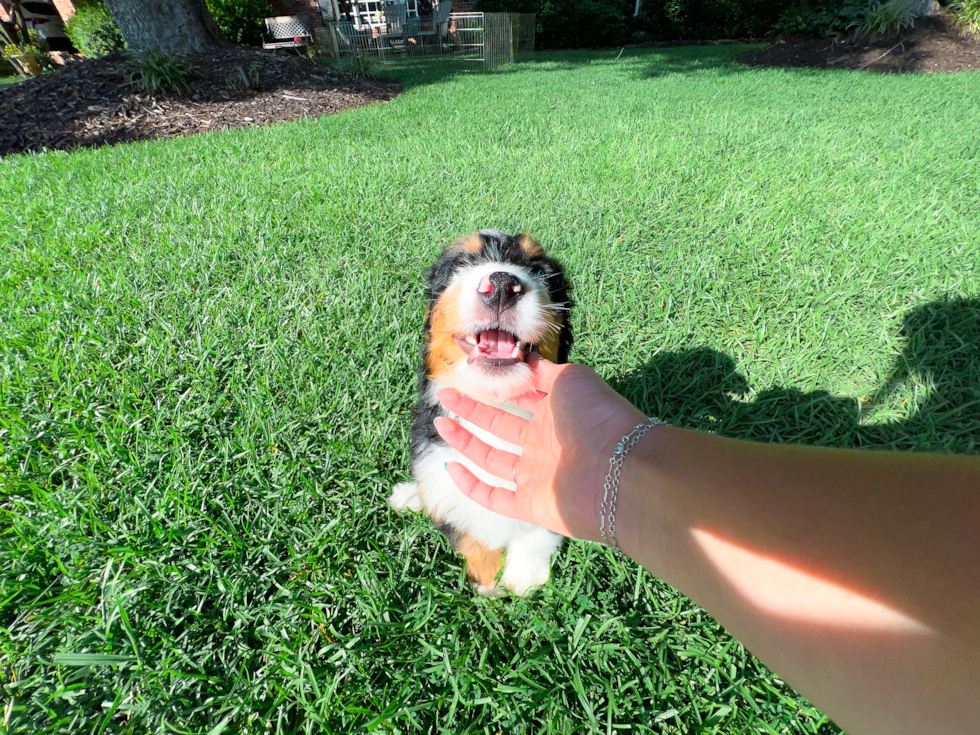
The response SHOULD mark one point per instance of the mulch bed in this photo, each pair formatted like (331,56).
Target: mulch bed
(934,44)
(92,102)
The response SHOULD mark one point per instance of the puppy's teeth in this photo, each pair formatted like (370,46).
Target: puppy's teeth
(471,340)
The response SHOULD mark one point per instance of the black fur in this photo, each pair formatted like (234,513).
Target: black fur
(452,534)
(423,425)
(496,246)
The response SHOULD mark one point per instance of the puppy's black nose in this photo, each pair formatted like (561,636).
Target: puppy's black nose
(501,290)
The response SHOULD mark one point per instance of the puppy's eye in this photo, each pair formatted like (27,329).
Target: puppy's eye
(537,271)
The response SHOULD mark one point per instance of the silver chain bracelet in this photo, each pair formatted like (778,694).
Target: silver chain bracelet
(607,510)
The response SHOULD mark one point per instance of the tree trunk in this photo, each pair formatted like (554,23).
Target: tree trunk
(172,26)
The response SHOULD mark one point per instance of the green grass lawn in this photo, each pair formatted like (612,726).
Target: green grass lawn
(7,81)
(207,359)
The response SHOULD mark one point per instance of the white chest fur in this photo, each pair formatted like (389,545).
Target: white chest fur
(529,547)
(446,502)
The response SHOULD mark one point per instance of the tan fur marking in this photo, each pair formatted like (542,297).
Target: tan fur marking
(444,353)
(482,564)
(468,244)
(530,248)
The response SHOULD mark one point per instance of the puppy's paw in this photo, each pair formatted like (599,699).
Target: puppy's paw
(405,496)
(522,575)
(491,591)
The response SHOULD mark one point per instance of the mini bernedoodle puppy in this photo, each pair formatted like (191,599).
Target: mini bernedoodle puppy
(493,298)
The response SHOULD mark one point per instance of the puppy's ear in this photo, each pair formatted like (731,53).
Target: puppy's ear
(559,290)
(439,275)
(565,340)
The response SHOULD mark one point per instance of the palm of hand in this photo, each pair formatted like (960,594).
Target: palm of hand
(566,447)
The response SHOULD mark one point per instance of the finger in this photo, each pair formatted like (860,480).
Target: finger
(495,461)
(530,401)
(544,372)
(499,423)
(498,499)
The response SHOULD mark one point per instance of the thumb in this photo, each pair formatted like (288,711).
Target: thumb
(544,372)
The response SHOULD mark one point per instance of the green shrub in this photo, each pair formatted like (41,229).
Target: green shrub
(837,17)
(824,19)
(158,73)
(571,23)
(795,19)
(359,67)
(707,19)
(241,21)
(967,14)
(93,30)
(602,24)
(891,16)
(28,57)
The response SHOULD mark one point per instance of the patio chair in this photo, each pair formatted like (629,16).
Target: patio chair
(396,17)
(440,19)
(440,22)
(286,31)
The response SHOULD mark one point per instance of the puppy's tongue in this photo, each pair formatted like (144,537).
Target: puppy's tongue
(496,343)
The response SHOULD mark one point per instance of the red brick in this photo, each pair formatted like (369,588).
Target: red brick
(65,8)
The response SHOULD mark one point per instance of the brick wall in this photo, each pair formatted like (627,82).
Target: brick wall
(65,9)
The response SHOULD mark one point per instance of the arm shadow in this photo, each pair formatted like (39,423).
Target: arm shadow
(930,402)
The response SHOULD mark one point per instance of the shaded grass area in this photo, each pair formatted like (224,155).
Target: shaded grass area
(208,356)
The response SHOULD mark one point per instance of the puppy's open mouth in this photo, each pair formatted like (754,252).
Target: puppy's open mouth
(494,348)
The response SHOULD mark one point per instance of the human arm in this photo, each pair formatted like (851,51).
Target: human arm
(854,575)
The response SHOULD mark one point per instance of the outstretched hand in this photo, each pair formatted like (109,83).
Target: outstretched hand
(566,447)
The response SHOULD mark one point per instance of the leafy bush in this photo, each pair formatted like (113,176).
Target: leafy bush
(28,57)
(837,17)
(836,21)
(158,73)
(705,19)
(93,30)
(795,19)
(360,67)
(891,16)
(241,21)
(599,24)
(826,19)
(571,23)
(967,14)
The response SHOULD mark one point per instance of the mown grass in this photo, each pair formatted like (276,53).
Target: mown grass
(208,356)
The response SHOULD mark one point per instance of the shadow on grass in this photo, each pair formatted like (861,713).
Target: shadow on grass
(698,388)
(631,63)
(651,62)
